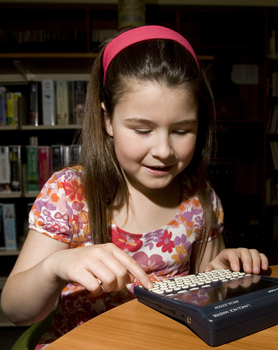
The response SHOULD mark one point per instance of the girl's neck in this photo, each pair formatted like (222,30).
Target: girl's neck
(148,210)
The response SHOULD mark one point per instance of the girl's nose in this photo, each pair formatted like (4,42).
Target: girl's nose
(162,147)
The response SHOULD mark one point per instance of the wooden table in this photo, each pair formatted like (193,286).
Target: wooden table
(136,326)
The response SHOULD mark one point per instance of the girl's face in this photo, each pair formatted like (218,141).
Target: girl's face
(155,131)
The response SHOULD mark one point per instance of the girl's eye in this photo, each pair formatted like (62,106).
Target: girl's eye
(181,132)
(142,131)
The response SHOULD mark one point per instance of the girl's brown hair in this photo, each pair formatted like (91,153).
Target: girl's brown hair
(162,61)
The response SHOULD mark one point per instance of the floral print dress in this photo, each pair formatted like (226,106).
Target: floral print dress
(60,212)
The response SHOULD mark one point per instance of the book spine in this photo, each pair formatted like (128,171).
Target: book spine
(16,170)
(18,100)
(62,102)
(75,154)
(44,164)
(5,169)
(66,156)
(275,84)
(3,106)
(48,102)
(78,95)
(33,178)
(274,120)
(274,154)
(272,43)
(34,102)
(2,236)
(10,108)
(57,157)
(9,224)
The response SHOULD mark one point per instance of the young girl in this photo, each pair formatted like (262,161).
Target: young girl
(138,208)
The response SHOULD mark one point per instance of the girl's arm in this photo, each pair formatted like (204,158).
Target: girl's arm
(32,289)
(45,265)
(216,256)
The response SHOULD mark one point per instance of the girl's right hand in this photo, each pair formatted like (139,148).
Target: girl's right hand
(44,265)
(97,267)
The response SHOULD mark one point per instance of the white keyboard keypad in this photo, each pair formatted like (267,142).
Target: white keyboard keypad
(193,282)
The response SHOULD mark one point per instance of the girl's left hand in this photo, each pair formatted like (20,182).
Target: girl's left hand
(250,260)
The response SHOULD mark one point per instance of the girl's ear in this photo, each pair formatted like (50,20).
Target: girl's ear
(107,121)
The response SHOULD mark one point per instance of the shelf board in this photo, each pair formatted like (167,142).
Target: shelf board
(35,55)
(8,127)
(273,57)
(18,195)
(44,63)
(10,194)
(5,252)
(41,127)
(50,127)
(30,194)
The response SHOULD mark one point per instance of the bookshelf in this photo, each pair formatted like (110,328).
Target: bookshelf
(271,129)
(40,44)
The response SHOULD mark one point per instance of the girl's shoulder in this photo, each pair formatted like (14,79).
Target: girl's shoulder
(190,193)
(59,179)
(65,183)
(67,174)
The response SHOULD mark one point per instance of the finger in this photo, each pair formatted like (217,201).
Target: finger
(85,279)
(114,275)
(231,256)
(260,261)
(256,261)
(246,259)
(133,267)
(264,262)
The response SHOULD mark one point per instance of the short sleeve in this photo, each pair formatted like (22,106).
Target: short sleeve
(60,209)
(218,216)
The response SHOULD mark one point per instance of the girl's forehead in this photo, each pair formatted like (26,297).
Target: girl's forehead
(141,86)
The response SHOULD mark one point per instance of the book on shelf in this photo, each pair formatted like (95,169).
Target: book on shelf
(274,84)
(5,169)
(19,102)
(272,126)
(271,191)
(34,103)
(44,155)
(10,109)
(64,156)
(275,227)
(9,225)
(2,236)
(62,102)
(274,153)
(78,89)
(48,102)
(273,43)
(67,160)
(13,111)
(3,106)
(74,154)
(57,157)
(16,168)
(32,176)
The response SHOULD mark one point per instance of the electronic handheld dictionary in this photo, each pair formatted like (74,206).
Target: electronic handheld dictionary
(219,306)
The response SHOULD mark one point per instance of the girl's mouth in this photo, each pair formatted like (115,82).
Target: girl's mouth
(159,169)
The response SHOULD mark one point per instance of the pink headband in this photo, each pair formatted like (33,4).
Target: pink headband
(140,34)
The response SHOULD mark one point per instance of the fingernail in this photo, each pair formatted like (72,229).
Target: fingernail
(150,285)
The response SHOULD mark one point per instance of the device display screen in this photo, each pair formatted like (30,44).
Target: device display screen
(221,291)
